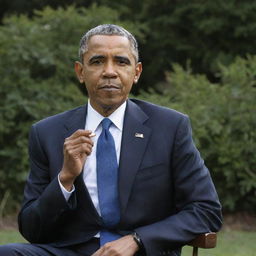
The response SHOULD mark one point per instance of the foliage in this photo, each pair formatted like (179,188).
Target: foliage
(36,62)
(37,78)
(206,32)
(224,120)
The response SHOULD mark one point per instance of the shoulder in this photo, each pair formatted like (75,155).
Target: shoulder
(61,118)
(158,112)
(166,124)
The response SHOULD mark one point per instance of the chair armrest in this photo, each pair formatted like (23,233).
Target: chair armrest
(207,240)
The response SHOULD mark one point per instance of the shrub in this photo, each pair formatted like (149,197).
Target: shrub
(36,62)
(224,120)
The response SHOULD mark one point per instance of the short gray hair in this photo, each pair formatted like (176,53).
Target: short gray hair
(108,29)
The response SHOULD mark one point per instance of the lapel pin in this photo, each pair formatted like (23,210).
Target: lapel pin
(139,135)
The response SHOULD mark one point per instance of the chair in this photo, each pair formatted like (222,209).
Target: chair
(206,241)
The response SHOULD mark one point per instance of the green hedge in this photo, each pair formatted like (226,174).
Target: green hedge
(223,117)
(206,32)
(37,80)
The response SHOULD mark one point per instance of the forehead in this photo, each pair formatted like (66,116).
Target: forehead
(105,44)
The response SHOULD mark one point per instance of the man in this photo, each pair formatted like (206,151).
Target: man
(149,197)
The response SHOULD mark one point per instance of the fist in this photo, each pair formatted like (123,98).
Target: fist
(76,149)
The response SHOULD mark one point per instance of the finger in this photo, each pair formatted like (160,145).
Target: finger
(98,252)
(75,150)
(109,249)
(81,148)
(78,140)
(105,250)
(92,135)
(80,132)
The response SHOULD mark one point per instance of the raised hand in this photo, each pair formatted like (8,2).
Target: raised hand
(76,149)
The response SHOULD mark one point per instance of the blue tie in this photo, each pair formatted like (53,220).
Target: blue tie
(107,178)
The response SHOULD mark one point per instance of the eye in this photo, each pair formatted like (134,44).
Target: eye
(122,61)
(96,62)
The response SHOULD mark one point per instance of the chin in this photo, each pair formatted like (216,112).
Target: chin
(112,103)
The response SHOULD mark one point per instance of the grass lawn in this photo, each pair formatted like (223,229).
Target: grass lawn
(10,236)
(230,243)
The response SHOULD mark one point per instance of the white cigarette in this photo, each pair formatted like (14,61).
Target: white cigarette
(92,134)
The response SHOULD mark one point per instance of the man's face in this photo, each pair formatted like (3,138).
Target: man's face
(108,71)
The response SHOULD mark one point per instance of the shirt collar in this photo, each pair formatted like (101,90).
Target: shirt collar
(94,118)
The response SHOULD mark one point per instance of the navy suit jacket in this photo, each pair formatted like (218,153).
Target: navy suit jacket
(165,191)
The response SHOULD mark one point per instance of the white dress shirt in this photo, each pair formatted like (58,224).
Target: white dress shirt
(92,123)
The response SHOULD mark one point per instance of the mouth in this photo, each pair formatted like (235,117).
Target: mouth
(109,87)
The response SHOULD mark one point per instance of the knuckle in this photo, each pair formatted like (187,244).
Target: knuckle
(87,148)
(69,150)
(82,139)
(113,252)
(84,147)
(80,131)
(107,246)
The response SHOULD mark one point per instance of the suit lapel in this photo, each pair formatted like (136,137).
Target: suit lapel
(132,149)
(134,141)
(76,120)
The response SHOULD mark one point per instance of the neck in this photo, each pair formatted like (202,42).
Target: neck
(106,110)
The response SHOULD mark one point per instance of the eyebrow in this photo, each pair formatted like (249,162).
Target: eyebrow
(117,57)
(122,58)
(96,57)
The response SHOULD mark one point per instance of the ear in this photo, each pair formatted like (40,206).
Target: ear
(138,70)
(79,71)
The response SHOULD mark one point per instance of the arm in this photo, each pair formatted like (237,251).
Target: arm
(196,202)
(197,206)
(44,202)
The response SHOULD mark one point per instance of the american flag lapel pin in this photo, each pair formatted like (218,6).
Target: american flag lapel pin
(139,135)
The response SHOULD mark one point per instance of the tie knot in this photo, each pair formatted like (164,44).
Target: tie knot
(106,123)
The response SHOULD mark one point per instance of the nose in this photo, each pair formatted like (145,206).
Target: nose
(109,70)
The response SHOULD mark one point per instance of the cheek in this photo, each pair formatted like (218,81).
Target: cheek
(128,78)
(91,79)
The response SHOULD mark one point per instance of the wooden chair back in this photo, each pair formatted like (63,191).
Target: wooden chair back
(206,241)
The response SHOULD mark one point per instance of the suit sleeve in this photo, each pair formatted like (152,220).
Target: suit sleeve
(197,206)
(43,199)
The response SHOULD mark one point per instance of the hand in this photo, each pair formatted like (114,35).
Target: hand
(125,246)
(76,149)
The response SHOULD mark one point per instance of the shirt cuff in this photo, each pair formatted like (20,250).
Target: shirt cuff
(66,193)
